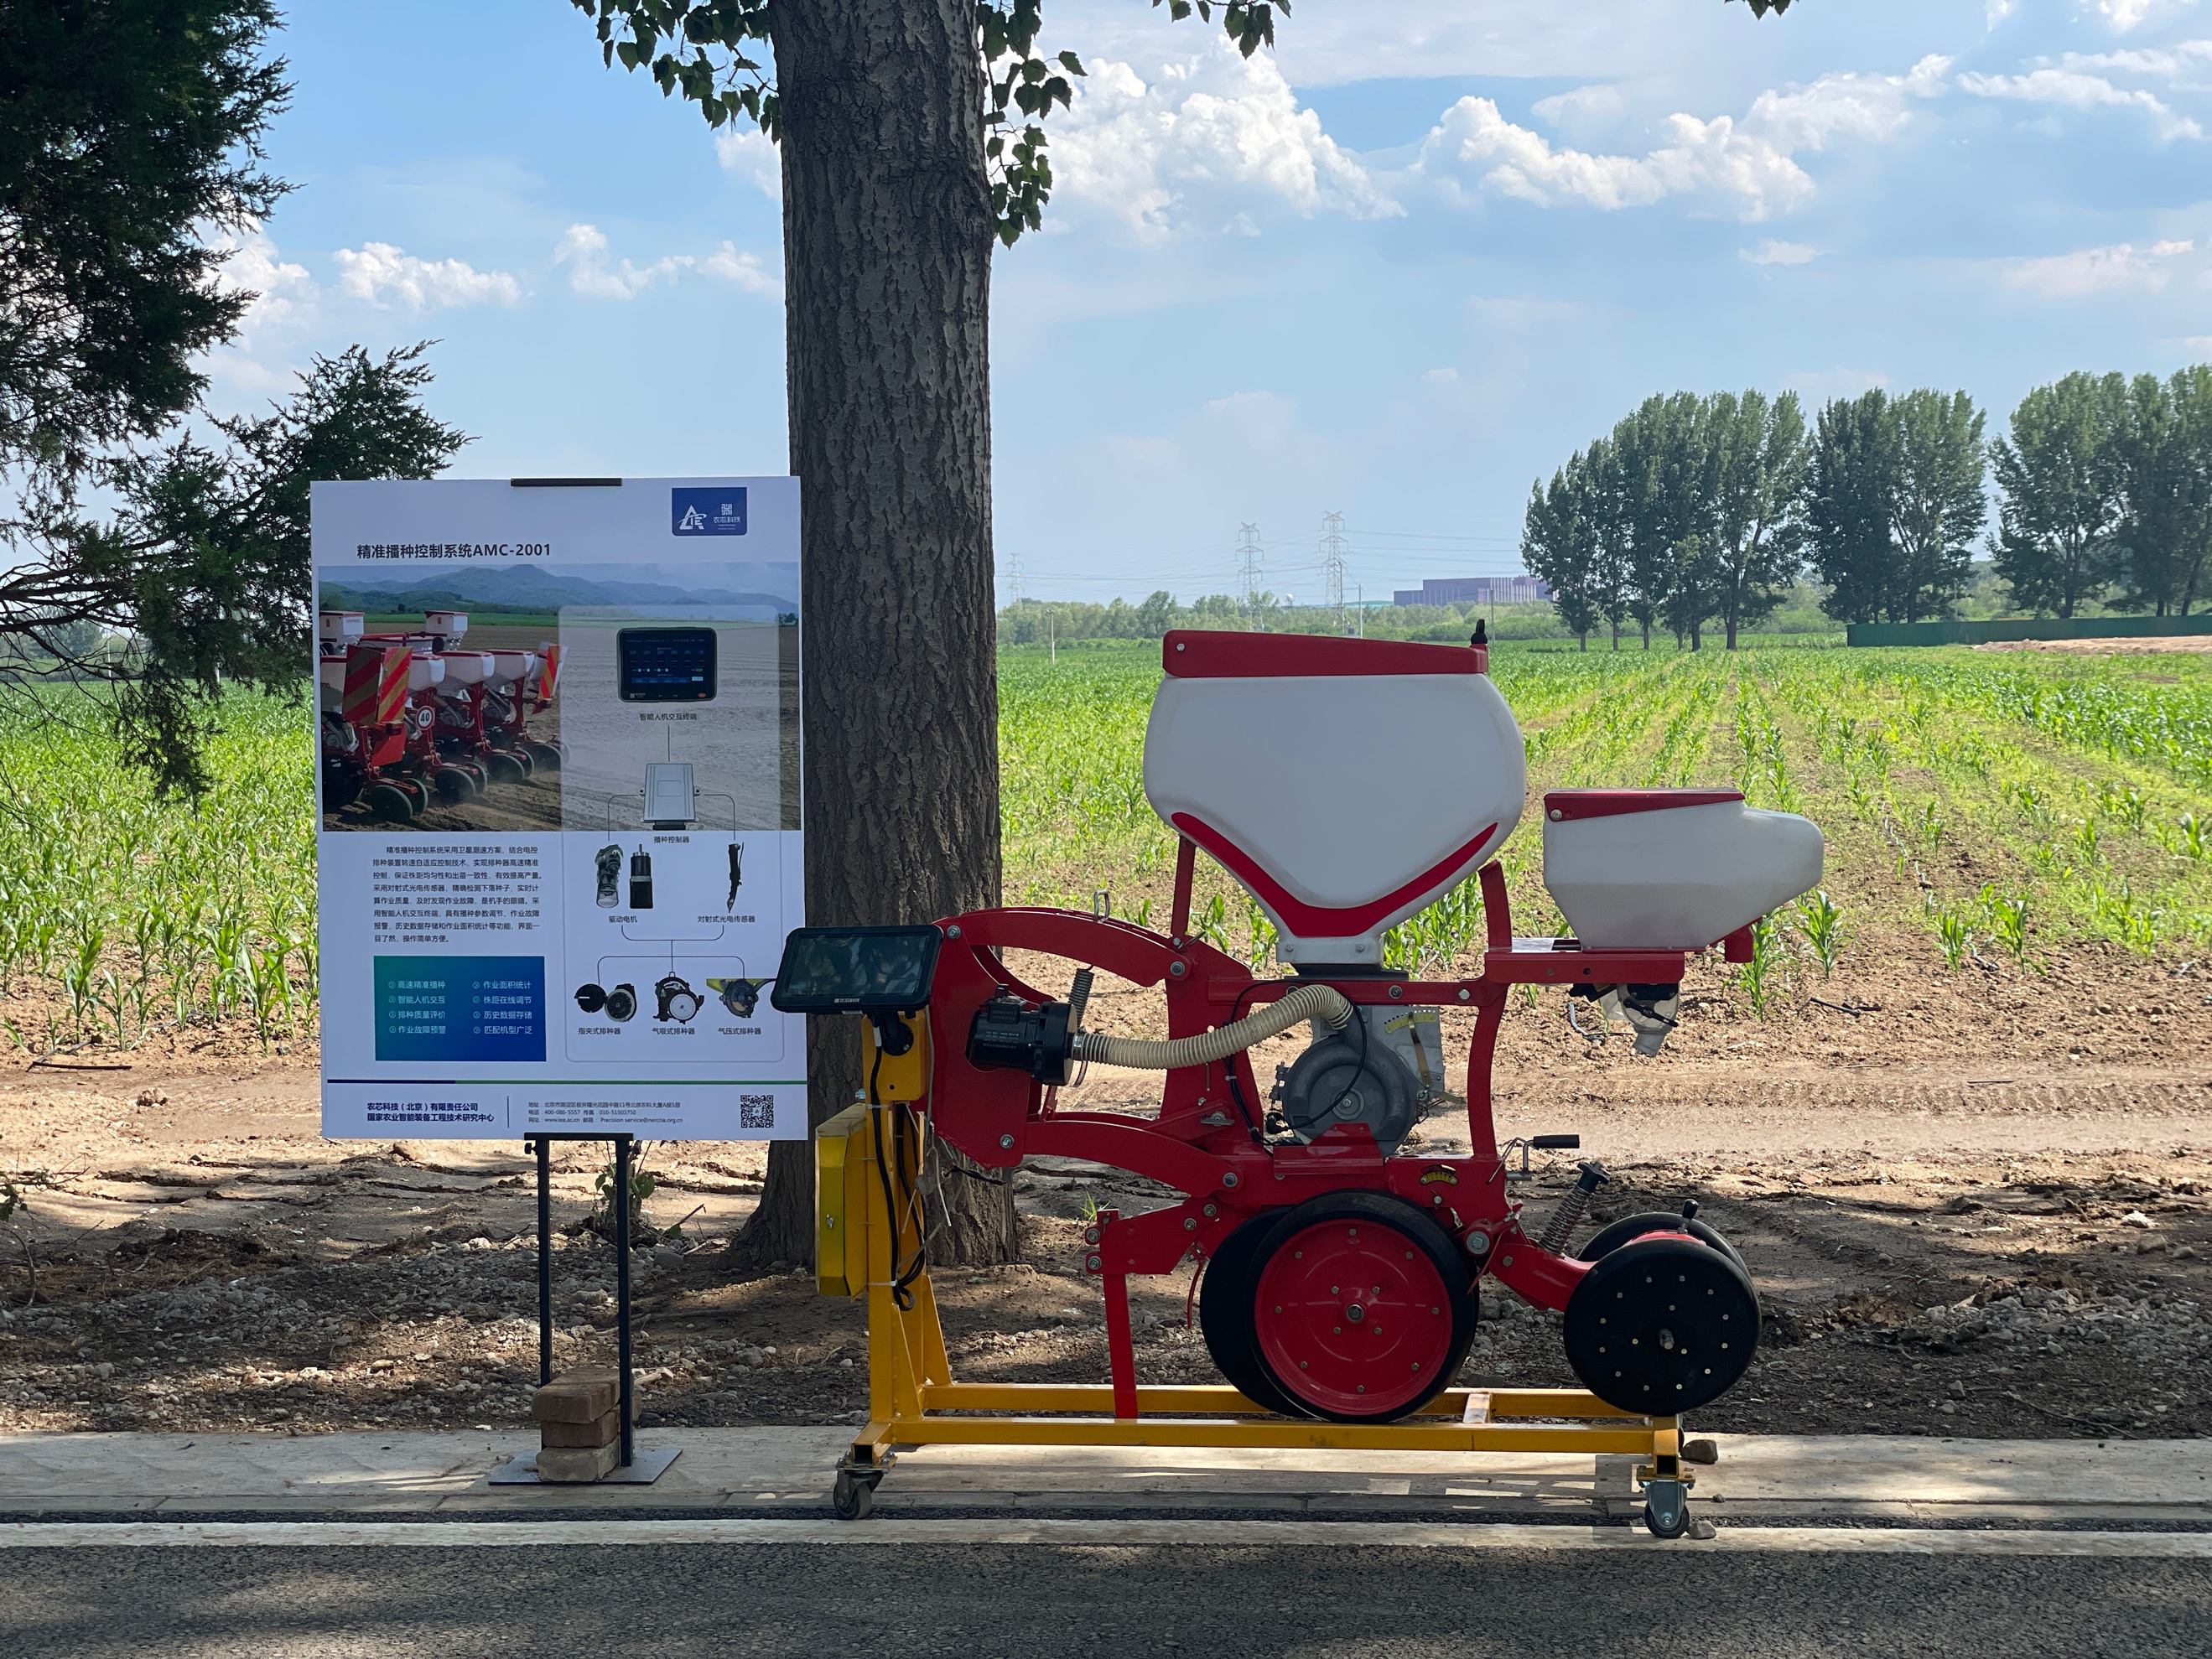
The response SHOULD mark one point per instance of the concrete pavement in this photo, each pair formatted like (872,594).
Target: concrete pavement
(785,1473)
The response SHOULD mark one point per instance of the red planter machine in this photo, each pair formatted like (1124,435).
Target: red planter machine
(412,719)
(1347,784)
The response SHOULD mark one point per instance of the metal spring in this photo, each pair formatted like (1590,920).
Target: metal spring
(1563,1218)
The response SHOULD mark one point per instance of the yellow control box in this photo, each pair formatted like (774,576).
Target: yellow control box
(840,1261)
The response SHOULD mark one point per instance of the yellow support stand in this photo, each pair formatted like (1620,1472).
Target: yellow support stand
(869,1230)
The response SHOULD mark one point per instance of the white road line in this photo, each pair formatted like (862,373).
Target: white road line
(479,1535)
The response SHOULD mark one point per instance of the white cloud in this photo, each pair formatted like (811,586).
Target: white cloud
(1207,140)
(1751,163)
(2124,15)
(749,153)
(2163,63)
(384,276)
(2123,267)
(2072,89)
(1586,109)
(746,270)
(1772,252)
(282,291)
(583,249)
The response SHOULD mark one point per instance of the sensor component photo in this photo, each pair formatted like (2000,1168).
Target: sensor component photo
(610,869)
(665,664)
(641,880)
(675,1001)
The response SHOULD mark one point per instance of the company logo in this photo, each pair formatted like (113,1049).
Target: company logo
(705,512)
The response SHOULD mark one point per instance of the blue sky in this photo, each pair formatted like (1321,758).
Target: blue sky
(1396,270)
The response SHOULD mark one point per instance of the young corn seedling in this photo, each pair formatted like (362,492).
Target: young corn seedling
(1823,924)
(1761,977)
(2009,926)
(1954,939)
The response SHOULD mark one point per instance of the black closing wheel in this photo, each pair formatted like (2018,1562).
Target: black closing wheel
(1605,1243)
(1225,1314)
(1661,1326)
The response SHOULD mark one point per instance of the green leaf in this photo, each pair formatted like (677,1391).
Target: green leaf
(1073,64)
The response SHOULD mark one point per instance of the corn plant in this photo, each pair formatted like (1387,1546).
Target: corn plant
(2009,926)
(1823,924)
(1953,937)
(1761,977)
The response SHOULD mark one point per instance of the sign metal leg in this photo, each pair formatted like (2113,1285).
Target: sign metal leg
(622,1143)
(545,1145)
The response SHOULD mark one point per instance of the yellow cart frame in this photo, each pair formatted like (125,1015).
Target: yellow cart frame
(913,1400)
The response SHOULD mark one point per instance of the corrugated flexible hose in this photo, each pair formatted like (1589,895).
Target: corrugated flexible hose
(1320,1002)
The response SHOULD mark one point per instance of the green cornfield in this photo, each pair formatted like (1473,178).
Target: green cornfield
(2017,803)
(2004,806)
(122,913)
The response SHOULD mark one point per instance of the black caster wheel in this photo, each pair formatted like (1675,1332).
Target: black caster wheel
(1667,1510)
(851,1498)
(1678,1527)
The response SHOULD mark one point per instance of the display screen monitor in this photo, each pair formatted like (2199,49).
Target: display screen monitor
(845,970)
(665,664)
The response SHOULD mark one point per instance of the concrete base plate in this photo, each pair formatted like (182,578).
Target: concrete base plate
(645,1467)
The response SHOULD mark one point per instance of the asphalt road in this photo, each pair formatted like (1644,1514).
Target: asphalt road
(1135,1602)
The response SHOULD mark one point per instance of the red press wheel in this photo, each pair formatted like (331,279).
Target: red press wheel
(1363,1311)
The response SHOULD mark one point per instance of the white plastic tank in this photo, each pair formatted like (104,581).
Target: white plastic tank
(447,624)
(466,667)
(1671,869)
(508,666)
(1346,783)
(338,628)
(423,672)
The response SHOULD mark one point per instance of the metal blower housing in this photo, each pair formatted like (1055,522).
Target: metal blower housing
(1342,1079)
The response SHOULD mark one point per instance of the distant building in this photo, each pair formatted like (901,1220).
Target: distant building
(1477,590)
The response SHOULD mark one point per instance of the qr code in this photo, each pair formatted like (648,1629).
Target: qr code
(756,1111)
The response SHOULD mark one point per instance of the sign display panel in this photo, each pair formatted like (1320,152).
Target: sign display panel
(558,797)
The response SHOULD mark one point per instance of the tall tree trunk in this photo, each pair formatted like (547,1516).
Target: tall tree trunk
(887,276)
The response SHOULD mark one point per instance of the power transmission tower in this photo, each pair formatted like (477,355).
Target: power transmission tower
(1332,545)
(1014,575)
(1249,557)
